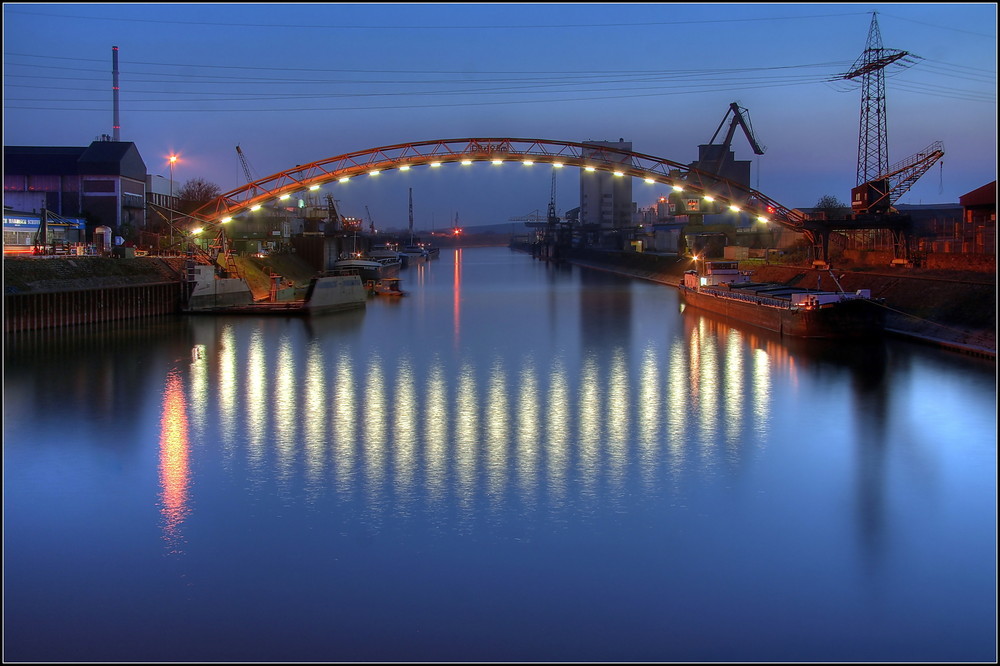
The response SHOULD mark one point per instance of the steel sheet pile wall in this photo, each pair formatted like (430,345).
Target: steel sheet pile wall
(30,311)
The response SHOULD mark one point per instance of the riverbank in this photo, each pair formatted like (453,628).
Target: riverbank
(951,309)
(57,274)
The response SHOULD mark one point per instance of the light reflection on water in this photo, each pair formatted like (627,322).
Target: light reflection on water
(497,433)
(519,426)
(258,400)
(227,390)
(175,452)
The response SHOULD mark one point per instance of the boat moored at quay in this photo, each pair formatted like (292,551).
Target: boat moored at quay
(721,288)
(211,293)
(369,268)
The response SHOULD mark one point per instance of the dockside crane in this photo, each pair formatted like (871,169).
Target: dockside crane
(713,156)
(741,119)
(880,195)
(553,218)
(246,166)
(333,213)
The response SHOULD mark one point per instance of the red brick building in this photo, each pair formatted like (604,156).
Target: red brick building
(979,210)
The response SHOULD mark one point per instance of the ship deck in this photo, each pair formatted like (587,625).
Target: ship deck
(779,292)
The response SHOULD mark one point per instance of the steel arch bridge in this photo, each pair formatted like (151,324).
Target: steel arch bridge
(591,157)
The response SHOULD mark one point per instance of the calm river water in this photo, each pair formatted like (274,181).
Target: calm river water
(515,462)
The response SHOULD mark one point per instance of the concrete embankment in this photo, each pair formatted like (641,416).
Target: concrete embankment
(60,291)
(951,309)
(54,292)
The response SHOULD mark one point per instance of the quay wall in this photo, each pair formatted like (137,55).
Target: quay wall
(53,292)
(56,309)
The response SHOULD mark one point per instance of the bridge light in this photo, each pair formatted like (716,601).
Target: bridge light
(734,208)
(497,161)
(709,198)
(195,232)
(226,219)
(405,167)
(374,172)
(283,197)
(590,168)
(619,174)
(528,162)
(254,209)
(557,165)
(314,188)
(761,218)
(435,164)
(344,179)
(650,181)
(678,188)
(466,162)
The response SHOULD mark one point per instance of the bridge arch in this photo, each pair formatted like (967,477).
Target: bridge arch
(588,156)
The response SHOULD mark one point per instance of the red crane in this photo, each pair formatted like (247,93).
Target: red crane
(880,194)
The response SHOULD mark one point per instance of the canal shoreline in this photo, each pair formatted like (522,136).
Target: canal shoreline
(953,310)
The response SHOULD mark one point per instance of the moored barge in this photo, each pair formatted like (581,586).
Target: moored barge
(210,293)
(723,289)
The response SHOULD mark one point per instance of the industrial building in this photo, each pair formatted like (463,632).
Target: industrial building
(104,182)
(605,198)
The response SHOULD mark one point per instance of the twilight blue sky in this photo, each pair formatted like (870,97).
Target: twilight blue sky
(296,83)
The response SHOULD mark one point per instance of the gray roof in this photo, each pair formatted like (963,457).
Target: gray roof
(41,160)
(100,158)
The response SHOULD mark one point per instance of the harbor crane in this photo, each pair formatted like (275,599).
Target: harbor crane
(741,119)
(553,217)
(333,213)
(879,195)
(713,157)
(371,222)
(246,166)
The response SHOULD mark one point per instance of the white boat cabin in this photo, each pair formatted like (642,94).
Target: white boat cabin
(716,273)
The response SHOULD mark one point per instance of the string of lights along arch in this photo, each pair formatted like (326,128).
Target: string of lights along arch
(495,151)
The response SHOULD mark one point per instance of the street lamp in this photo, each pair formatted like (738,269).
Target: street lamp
(170,199)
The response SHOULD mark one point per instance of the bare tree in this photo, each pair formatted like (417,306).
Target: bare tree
(195,193)
(832,206)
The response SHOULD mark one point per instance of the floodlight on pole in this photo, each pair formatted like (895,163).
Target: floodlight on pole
(170,200)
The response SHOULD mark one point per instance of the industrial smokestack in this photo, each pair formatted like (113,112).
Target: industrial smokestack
(114,72)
